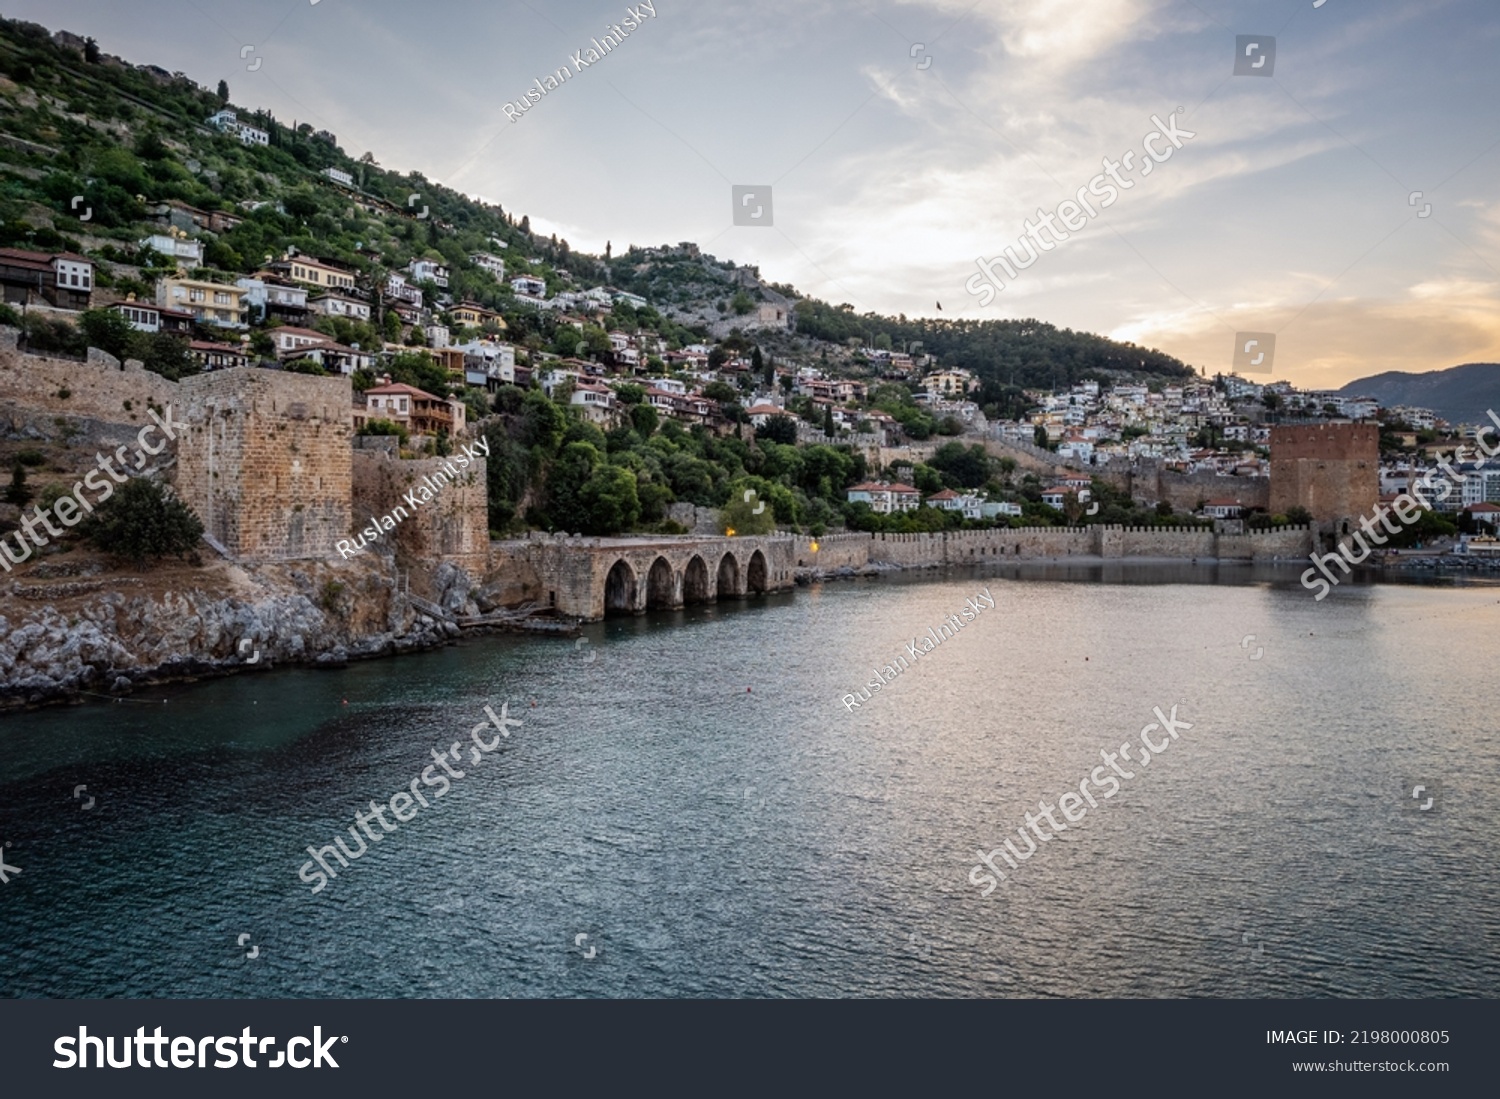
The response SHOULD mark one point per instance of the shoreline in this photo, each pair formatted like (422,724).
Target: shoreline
(429,631)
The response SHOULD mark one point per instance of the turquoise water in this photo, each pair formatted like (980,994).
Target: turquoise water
(700,806)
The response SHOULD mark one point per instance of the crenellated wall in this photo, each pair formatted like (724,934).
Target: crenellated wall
(1020,543)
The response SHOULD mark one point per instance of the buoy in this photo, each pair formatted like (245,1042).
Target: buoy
(747,690)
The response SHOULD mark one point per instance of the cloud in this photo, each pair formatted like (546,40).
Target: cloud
(1437,324)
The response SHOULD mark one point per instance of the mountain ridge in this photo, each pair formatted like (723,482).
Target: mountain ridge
(1459,394)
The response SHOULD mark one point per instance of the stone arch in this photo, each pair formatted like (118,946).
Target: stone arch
(620,589)
(728,585)
(695,586)
(756,574)
(660,586)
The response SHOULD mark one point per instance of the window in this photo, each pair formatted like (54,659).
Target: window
(197,295)
(221,298)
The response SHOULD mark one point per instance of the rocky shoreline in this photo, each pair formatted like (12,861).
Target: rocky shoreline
(70,631)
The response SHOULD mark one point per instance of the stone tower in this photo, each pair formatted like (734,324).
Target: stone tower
(1331,469)
(264,460)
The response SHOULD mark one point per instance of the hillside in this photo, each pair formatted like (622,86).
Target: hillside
(81,130)
(1460,394)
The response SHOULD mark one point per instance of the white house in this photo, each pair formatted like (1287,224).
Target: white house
(486,261)
(597,401)
(1222,508)
(289,339)
(182,249)
(884,497)
(228,122)
(427,270)
(338,305)
(551,380)
(528,286)
(1001,507)
(760,413)
(269,295)
(488,361)
(338,175)
(142,317)
(398,288)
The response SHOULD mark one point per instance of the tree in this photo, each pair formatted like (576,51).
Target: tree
(142,521)
(165,354)
(778,429)
(108,330)
(828,428)
(301,203)
(961,467)
(19,493)
(754,515)
(224,94)
(1039,436)
(610,503)
(1298,516)
(91,51)
(722,392)
(644,419)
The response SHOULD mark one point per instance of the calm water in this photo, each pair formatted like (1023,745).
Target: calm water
(714,841)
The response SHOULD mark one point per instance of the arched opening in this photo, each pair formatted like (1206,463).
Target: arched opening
(619,590)
(695,582)
(755,574)
(659,585)
(729,577)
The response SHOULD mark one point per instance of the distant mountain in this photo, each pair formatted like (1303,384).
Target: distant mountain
(1460,394)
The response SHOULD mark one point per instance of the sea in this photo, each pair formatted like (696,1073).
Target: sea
(703,803)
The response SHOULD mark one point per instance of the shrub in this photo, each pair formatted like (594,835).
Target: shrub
(384,427)
(142,521)
(332,592)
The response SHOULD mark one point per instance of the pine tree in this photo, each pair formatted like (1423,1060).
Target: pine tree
(223,91)
(828,428)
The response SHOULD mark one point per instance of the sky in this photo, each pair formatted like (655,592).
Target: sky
(902,142)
